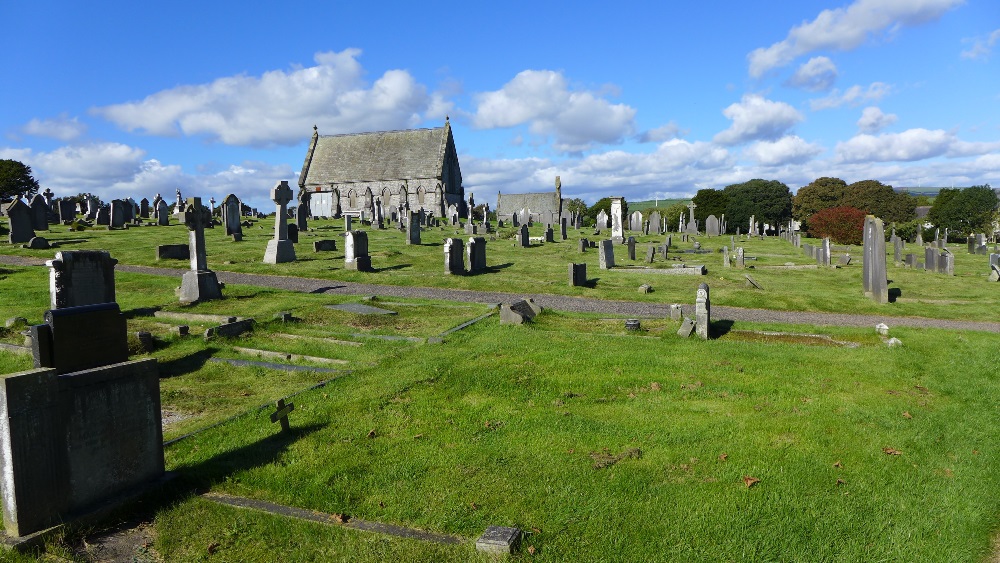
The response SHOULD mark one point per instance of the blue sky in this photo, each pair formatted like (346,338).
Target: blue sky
(641,100)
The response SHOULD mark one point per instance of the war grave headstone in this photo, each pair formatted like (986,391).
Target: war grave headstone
(39,213)
(476,251)
(356,251)
(873,261)
(454,258)
(702,311)
(230,212)
(81,429)
(606,254)
(280,249)
(81,277)
(617,221)
(712,226)
(20,222)
(199,283)
(413,228)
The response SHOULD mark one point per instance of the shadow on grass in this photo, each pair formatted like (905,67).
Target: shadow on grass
(327,288)
(496,268)
(591,283)
(388,268)
(186,364)
(140,312)
(718,329)
(257,454)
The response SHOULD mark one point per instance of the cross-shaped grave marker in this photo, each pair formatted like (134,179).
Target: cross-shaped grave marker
(282,414)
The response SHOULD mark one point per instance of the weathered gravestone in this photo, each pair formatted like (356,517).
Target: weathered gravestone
(873,272)
(577,274)
(635,221)
(39,213)
(656,223)
(454,258)
(117,214)
(302,212)
(20,220)
(712,226)
(606,254)
(550,235)
(81,277)
(162,214)
(280,249)
(477,254)
(231,217)
(356,251)
(81,429)
(144,208)
(584,244)
(602,220)
(562,228)
(630,244)
(726,263)
(702,312)
(617,226)
(519,312)
(413,228)
(522,237)
(199,283)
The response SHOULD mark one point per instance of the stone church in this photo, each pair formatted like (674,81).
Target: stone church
(351,174)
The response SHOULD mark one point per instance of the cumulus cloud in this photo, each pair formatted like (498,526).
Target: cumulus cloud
(843,29)
(912,144)
(576,119)
(873,120)
(786,150)
(62,128)
(756,117)
(816,75)
(279,107)
(660,134)
(981,46)
(854,95)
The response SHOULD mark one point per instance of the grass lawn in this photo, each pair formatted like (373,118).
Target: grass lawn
(820,443)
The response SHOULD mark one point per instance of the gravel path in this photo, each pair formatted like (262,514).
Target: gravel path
(558,302)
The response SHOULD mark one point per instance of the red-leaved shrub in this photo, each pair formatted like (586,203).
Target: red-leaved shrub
(844,225)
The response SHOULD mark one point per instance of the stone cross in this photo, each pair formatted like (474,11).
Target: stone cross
(196,216)
(281,415)
(281,194)
(692,207)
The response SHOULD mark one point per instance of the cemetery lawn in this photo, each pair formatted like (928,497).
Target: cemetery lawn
(543,268)
(606,445)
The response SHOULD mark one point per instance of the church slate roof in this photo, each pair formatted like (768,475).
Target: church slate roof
(369,157)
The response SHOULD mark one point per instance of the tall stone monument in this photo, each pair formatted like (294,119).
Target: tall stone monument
(280,249)
(702,312)
(199,283)
(873,274)
(617,225)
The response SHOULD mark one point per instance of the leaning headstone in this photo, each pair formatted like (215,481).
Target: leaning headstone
(20,222)
(199,283)
(873,263)
(81,277)
(476,251)
(519,312)
(280,249)
(356,251)
(687,328)
(702,311)
(994,273)
(577,274)
(606,254)
(454,258)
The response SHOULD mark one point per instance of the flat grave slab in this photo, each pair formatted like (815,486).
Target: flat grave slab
(272,365)
(360,309)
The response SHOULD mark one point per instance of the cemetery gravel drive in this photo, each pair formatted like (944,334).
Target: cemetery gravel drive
(558,302)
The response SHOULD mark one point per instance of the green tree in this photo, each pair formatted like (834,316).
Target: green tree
(16,180)
(604,204)
(672,214)
(709,202)
(768,200)
(880,200)
(971,210)
(575,205)
(821,193)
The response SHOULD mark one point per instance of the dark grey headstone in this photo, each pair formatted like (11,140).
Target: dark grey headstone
(324,245)
(81,277)
(173,252)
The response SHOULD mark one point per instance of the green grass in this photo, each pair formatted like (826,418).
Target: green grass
(505,425)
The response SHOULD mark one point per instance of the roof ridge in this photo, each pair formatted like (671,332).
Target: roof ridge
(381,132)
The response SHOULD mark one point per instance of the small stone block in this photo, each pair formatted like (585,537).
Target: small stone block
(687,328)
(284,317)
(676,312)
(632,324)
(183,330)
(645,288)
(499,540)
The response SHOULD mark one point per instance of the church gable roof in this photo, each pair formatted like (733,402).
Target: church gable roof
(369,157)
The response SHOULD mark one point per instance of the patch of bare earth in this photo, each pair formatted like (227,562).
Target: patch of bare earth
(127,542)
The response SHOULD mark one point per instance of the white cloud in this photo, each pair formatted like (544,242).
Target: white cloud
(843,29)
(62,128)
(541,98)
(981,47)
(755,117)
(873,120)
(816,75)
(852,96)
(912,144)
(280,108)
(786,150)
(659,134)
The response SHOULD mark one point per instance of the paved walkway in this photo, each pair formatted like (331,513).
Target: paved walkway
(558,302)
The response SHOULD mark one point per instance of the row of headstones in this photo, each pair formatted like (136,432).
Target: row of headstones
(977,244)
(739,258)
(524,241)
(822,254)
(934,261)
